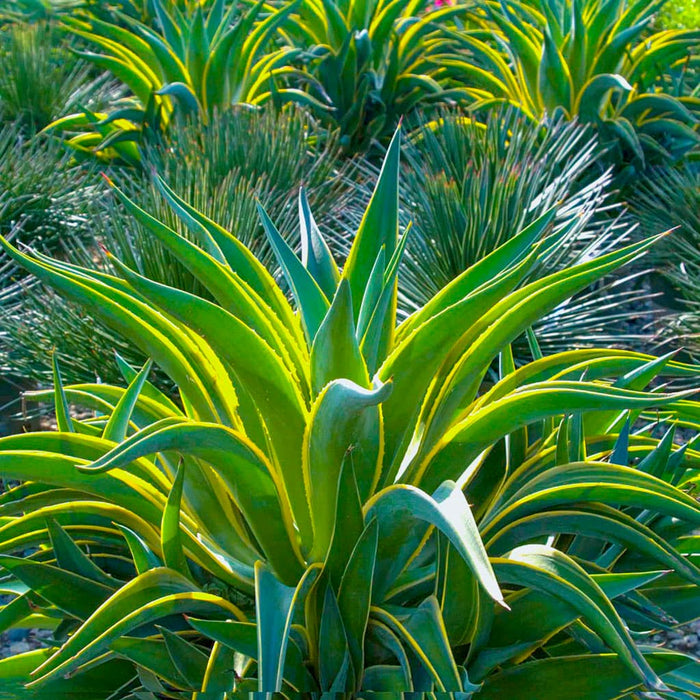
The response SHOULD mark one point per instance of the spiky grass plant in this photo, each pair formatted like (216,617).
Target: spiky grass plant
(244,155)
(340,504)
(670,197)
(41,79)
(471,185)
(39,194)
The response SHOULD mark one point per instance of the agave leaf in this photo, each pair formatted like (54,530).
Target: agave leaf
(598,521)
(143,557)
(188,659)
(74,594)
(315,254)
(61,403)
(236,255)
(456,589)
(218,677)
(349,522)
(15,611)
(332,642)
(449,512)
(591,99)
(118,423)
(274,605)
(344,417)
(70,557)
(379,227)
(145,599)
(312,302)
(504,322)
(376,341)
(170,537)
(424,634)
(595,482)
(595,675)
(131,494)
(551,571)
(168,347)
(539,617)
(415,361)
(151,654)
(247,473)
(355,595)
(335,352)
(98,682)
(680,602)
(485,426)
(253,362)
(373,291)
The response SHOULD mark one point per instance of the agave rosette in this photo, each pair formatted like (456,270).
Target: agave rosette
(337,503)
(374,61)
(197,62)
(594,60)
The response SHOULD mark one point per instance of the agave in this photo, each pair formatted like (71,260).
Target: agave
(598,61)
(374,61)
(336,503)
(198,62)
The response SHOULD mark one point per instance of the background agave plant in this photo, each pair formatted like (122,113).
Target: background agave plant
(196,62)
(595,60)
(350,560)
(373,61)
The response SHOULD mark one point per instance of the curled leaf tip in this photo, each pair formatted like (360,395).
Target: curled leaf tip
(107,179)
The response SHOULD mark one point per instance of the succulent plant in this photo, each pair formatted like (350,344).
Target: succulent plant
(340,504)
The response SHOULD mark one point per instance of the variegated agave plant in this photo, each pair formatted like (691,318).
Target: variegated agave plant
(339,504)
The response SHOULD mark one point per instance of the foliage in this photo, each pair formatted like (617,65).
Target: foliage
(671,198)
(374,60)
(41,79)
(42,203)
(198,62)
(221,168)
(470,186)
(37,10)
(39,194)
(243,155)
(680,14)
(595,60)
(303,519)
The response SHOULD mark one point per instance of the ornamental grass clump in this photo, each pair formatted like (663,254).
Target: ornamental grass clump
(337,503)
